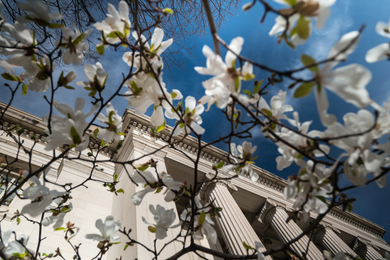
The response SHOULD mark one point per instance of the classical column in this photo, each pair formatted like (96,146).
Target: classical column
(365,250)
(327,237)
(233,224)
(275,215)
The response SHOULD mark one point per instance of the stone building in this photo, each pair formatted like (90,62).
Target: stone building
(252,211)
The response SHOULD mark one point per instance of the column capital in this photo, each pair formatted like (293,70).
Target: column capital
(325,235)
(359,242)
(326,225)
(210,184)
(268,205)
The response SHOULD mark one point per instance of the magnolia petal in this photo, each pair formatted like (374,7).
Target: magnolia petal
(290,191)
(190,103)
(210,232)
(36,208)
(234,46)
(157,117)
(94,237)
(161,233)
(259,248)
(170,196)
(343,43)
(197,128)
(138,196)
(247,68)
(378,53)
(177,131)
(123,9)
(254,176)
(165,45)
(5,65)
(157,37)
(372,161)
(321,17)
(322,107)
(225,169)
(349,83)
(178,94)
(382,29)
(90,71)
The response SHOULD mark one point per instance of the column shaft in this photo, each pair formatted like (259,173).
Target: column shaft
(233,223)
(332,242)
(277,217)
(369,253)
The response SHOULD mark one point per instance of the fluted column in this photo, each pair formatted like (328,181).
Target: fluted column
(365,250)
(276,216)
(234,226)
(327,237)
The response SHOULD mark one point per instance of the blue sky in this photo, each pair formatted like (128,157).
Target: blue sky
(346,16)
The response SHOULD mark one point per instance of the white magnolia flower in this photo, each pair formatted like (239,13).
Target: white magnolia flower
(138,99)
(290,155)
(308,188)
(18,35)
(150,183)
(147,87)
(242,161)
(172,186)
(246,150)
(37,11)
(142,178)
(227,78)
(152,52)
(116,27)
(164,220)
(361,160)
(381,51)
(383,29)
(114,122)
(348,82)
(278,107)
(69,129)
(191,117)
(16,248)
(75,43)
(205,228)
(107,230)
(304,11)
(57,218)
(40,196)
(96,77)
(37,72)
(378,53)
(203,224)
(144,91)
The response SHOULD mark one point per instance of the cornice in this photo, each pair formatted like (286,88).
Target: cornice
(33,127)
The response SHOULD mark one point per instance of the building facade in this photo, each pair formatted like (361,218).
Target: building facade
(252,211)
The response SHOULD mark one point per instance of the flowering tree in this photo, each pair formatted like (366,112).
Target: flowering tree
(357,148)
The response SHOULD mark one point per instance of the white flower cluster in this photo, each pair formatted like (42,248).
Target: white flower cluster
(227,78)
